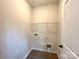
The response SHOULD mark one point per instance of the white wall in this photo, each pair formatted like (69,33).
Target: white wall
(45,14)
(16,16)
(1,38)
(45,23)
(60,18)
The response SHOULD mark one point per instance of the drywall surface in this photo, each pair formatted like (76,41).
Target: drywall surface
(17,16)
(70,29)
(45,24)
(2,37)
(45,14)
(60,18)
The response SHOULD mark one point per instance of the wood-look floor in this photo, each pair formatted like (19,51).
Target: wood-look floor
(35,54)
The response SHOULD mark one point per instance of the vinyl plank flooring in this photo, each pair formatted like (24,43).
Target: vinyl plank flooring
(35,54)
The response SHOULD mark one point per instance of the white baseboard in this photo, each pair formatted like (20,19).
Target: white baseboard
(59,57)
(38,49)
(27,54)
(69,52)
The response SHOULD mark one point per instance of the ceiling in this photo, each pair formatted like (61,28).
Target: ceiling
(35,3)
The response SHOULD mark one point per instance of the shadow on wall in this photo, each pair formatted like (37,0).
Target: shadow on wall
(17,16)
(17,44)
